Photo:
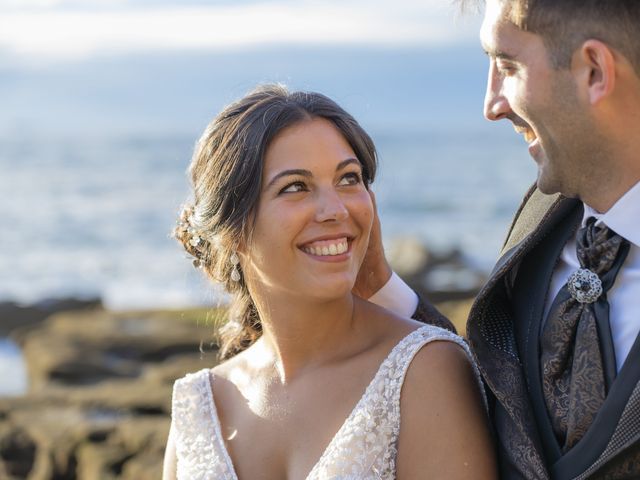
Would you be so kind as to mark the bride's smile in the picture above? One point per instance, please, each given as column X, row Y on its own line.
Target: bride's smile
column 335, row 248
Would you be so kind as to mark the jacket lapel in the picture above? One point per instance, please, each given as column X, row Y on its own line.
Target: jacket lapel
column 529, row 297
column 491, row 334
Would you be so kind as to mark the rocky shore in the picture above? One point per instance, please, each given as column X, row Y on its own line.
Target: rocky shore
column 99, row 392
column 100, row 382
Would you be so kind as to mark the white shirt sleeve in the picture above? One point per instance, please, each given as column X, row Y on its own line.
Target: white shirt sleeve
column 396, row 296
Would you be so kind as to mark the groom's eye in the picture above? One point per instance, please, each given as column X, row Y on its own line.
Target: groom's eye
column 506, row 68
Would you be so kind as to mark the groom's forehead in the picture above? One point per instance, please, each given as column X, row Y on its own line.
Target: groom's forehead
column 509, row 11
column 501, row 10
column 496, row 25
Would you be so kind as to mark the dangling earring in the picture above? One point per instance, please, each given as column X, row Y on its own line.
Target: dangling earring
column 235, row 261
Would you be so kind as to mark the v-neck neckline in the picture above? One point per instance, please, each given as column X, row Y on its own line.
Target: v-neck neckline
column 218, row 428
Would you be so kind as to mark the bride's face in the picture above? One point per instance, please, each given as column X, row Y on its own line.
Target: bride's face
column 314, row 215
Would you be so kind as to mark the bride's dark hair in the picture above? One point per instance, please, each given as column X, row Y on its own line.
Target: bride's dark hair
column 226, row 174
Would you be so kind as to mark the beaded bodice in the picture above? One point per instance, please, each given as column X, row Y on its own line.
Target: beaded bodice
column 363, row 448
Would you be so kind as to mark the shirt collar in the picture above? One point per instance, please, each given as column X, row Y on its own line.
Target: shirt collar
column 623, row 217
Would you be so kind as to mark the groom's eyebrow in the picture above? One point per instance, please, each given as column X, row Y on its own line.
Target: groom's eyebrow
column 499, row 54
column 494, row 53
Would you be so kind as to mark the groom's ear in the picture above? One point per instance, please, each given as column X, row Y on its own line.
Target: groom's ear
column 594, row 68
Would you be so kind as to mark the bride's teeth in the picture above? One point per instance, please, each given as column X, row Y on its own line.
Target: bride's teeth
column 328, row 250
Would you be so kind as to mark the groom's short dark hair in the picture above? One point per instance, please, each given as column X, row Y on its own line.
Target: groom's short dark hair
column 566, row 24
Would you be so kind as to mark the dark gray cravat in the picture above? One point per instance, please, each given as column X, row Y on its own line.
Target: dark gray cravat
column 577, row 356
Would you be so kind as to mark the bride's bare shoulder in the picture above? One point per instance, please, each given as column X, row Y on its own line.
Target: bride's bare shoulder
column 443, row 412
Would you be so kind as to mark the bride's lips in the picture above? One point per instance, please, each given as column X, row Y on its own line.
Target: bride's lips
column 332, row 248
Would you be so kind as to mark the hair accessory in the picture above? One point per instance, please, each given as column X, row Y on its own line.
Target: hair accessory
column 235, row 261
column 192, row 236
column 195, row 239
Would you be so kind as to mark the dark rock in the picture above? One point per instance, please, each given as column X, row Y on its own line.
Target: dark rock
column 445, row 282
column 100, row 396
column 439, row 276
column 53, row 439
column 17, row 453
column 76, row 348
column 444, row 277
column 16, row 317
column 408, row 256
column 101, row 462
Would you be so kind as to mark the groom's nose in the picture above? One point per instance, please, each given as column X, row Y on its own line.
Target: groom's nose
column 496, row 105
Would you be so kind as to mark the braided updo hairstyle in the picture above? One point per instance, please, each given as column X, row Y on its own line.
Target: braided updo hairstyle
column 226, row 174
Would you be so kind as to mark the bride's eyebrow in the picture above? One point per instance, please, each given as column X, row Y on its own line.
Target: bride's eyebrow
column 286, row 173
column 346, row 162
column 306, row 173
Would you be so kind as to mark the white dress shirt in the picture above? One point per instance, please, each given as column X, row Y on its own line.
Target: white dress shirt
column 396, row 296
column 624, row 297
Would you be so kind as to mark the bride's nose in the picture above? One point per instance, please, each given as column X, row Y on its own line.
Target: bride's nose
column 330, row 207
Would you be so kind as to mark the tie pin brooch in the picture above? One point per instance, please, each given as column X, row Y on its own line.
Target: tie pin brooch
column 584, row 286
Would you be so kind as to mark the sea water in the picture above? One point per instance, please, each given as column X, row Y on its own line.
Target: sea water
column 13, row 375
column 94, row 218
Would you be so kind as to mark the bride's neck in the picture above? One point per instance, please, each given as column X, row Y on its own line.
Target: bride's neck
column 302, row 333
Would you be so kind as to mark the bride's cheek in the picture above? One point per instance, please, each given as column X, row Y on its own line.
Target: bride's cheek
column 362, row 203
column 365, row 211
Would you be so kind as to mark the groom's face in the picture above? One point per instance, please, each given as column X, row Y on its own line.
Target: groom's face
column 539, row 100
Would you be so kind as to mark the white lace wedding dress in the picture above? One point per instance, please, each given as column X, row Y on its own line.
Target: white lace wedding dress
column 363, row 448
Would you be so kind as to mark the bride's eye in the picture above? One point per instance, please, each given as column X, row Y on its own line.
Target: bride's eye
column 351, row 178
column 294, row 187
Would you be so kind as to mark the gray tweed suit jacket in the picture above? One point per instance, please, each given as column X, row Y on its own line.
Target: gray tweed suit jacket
column 611, row 448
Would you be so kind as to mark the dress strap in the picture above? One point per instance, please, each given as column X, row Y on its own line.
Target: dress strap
column 200, row 450
column 402, row 355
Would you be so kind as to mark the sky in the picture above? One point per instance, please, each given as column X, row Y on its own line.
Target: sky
column 34, row 32
column 72, row 67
